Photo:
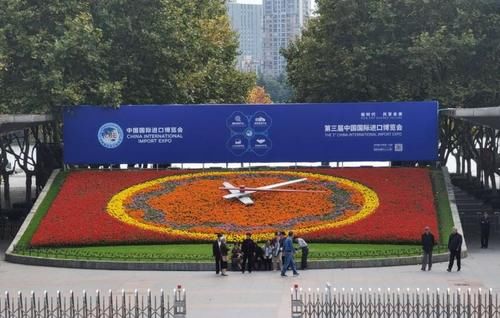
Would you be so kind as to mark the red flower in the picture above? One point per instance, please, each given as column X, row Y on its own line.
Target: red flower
column 78, row 215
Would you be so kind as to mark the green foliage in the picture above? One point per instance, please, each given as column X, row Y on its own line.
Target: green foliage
column 61, row 53
column 278, row 88
column 399, row 50
column 51, row 54
column 203, row 252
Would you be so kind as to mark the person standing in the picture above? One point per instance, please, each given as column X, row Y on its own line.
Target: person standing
column 224, row 250
column 248, row 249
column 288, row 251
column 455, row 248
column 305, row 251
column 216, row 253
column 428, row 243
column 236, row 257
column 276, row 253
column 282, row 238
column 268, row 254
column 485, row 230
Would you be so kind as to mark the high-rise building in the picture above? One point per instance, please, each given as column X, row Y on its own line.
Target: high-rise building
column 283, row 22
column 246, row 20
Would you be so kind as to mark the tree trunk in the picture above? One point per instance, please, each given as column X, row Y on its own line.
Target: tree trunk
column 6, row 190
column 29, row 182
column 493, row 182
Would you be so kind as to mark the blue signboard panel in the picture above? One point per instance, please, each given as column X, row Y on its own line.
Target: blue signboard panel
column 251, row 133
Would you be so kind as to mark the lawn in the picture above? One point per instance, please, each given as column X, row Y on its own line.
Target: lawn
column 202, row 252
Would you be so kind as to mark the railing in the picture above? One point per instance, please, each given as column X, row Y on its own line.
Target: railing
column 122, row 305
column 393, row 303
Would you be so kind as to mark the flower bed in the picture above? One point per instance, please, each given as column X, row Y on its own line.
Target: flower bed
column 356, row 205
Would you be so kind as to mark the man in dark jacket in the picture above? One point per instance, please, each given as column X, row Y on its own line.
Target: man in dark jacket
column 455, row 248
column 485, row 230
column 427, row 246
column 248, row 250
column 217, row 253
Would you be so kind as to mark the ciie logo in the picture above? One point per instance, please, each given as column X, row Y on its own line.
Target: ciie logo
column 110, row 135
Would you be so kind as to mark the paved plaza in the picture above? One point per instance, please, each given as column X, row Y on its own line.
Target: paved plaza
column 260, row 294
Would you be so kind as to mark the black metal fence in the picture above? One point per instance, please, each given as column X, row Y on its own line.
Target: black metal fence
column 111, row 305
column 331, row 302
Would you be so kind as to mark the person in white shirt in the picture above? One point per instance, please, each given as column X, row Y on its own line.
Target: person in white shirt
column 305, row 251
column 268, row 254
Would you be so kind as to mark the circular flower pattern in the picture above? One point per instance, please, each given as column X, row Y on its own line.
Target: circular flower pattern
column 191, row 206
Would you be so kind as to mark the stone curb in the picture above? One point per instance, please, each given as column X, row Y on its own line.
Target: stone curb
column 33, row 210
column 137, row 266
column 454, row 209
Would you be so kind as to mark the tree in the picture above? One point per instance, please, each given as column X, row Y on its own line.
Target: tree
column 258, row 95
column 278, row 88
column 61, row 53
column 365, row 50
column 52, row 56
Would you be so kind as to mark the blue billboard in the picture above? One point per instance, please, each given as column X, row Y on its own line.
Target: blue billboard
column 399, row 131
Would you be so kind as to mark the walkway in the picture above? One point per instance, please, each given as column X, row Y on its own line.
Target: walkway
column 260, row 294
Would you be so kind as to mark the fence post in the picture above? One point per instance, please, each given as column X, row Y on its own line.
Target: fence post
column 479, row 303
column 469, row 305
column 335, row 298
column 124, row 305
column 490, row 303
column 398, row 303
column 459, row 309
column 98, row 304
column 388, row 306
column 179, row 302
column 20, row 305
column 150, row 313
column 136, row 309
column 408, row 303
column 438, row 303
column 428, row 304
column 328, row 290
column 7, row 305
column 110, row 304
column 162, row 303
column 33, row 305
column 45, row 304
column 361, row 303
column 59, row 305
column 84, row 305
column 418, row 311
column 448, row 313
column 71, row 304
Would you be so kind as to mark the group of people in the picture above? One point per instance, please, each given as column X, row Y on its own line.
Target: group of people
column 454, row 244
column 276, row 254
